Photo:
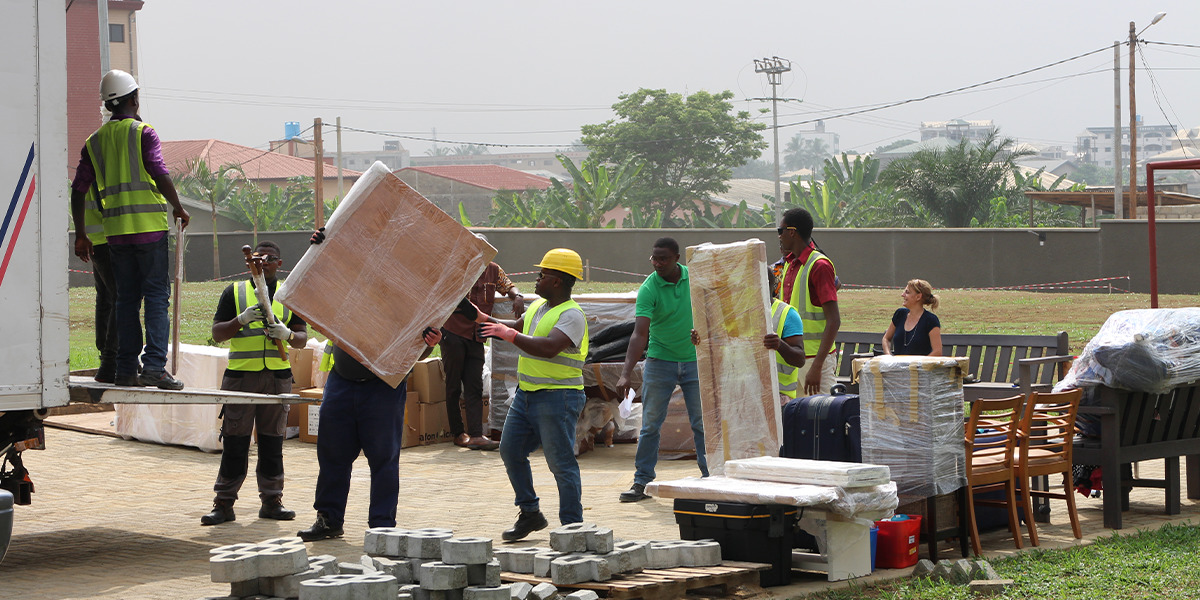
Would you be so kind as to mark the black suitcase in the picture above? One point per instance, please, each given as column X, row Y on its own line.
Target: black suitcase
column 747, row 532
column 822, row 427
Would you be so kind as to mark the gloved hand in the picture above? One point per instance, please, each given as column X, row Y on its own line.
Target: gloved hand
column 279, row 331
column 431, row 336
column 254, row 313
column 318, row 236
column 499, row 330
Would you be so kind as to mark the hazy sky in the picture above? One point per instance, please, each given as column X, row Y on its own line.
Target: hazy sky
column 532, row 72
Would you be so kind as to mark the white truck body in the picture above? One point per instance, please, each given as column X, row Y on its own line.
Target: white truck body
column 34, row 207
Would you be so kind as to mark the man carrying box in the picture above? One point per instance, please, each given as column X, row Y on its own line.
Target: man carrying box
column 254, row 366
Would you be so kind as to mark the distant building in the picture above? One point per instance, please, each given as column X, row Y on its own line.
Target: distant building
column 521, row 161
column 833, row 141
column 957, row 129
column 473, row 185
column 263, row 167
column 393, row 155
column 1095, row 144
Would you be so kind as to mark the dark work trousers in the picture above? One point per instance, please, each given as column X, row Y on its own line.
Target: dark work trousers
column 140, row 272
column 238, row 422
column 463, row 360
column 355, row 417
column 106, row 309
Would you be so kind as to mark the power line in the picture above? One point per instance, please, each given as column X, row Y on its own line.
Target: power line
column 1170, row 44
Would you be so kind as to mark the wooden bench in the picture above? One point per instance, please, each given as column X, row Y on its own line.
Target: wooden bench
column 993, row 359
column 1137, row 426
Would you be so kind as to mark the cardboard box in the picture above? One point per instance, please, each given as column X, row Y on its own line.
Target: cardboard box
column 429, row 380
column 309, row 419
column 435, row 424
column 302, row 367
column 412, row 421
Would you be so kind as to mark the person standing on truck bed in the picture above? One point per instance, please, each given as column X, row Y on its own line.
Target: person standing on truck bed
column 255, row 367
column 123, row 159
column 106, row 292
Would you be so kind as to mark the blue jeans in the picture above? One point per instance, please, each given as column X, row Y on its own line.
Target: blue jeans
column 659, row 378
column 546, row 418
column 366, row 417
column 140, row 273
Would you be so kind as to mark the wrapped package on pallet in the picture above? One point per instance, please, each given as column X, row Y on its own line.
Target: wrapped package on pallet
column 391, row 265
column 912, row 421
column 738, row 383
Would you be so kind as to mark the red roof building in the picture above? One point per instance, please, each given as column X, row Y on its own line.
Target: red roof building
column 263, row 167
column 473, row 186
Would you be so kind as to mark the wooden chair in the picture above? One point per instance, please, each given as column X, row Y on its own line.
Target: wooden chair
column 991, row 463
column 1045, row 440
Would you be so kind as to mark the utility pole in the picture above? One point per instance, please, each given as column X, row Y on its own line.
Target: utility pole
column 341, row 193
column 774, row 67
column 1132, row 127
column 319, row 177
column 1118, row 195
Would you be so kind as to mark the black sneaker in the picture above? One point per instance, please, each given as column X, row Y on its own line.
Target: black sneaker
column 272, row 508
column 322, row 529
column 127, row 381
column 222, row 511
column 635, row 493
column 161, row 380
column 106, row 375
column 527, row 523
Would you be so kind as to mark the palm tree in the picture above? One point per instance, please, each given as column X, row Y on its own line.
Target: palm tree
column 217, row 188
column 956, row 184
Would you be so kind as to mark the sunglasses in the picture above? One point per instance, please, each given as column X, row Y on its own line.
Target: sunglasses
column 271, row 259
column 780, row 230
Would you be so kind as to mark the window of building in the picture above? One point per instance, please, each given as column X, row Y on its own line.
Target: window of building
column 116, row 33
column 1108, row 163
column 1108, row 149
column 1108, row 136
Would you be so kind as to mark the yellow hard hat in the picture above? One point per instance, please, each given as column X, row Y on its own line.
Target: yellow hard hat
column 565, row 260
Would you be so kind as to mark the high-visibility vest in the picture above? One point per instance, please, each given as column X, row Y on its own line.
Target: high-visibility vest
column 561, row 372
column 93, row 221
column 326, row 363
column 788, row 375
column 129, row 199
column 251, row 349
column 812, row 316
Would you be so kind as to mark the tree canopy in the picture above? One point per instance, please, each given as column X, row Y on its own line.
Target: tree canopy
column 689, row 146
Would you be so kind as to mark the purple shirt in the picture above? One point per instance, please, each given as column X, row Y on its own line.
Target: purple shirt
column 85, row 176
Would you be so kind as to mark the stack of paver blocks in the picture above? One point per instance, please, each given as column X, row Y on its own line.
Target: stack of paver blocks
column 585, row 552
column 270, row 569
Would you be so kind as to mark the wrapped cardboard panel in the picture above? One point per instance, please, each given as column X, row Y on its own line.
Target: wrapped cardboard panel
column 912, row 421
column 738, row 383
column 815, row 472
column 392, row 264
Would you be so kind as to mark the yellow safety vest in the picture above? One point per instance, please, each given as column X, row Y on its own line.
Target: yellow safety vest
column 251, row 349
column 788, row 375
column 93, row 221
column 812, row 316
column 326, row 363
column 129, row 199
column 562, row 372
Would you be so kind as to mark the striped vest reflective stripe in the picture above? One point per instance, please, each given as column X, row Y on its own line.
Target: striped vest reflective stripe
column 251, row 349
column 788, row 375
column 812, row 316
column 129, row 200
column 561, row 372
column 326, row 363
column 93, row 221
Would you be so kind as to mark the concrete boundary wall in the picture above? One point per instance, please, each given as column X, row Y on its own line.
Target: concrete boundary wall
column 948, row 258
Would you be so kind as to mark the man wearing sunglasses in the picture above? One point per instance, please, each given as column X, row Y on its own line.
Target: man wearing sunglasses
column 254, row 366
column 809, row 283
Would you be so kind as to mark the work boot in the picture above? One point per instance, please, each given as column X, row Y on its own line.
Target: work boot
column 635, row 493
column 527, row 523
column 106, row 374
column 272, row 508
column 322, row 529
column 162, row 380
column 222, row 511
column 127, row 380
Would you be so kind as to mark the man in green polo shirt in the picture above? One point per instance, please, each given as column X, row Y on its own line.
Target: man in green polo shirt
column 664, row 321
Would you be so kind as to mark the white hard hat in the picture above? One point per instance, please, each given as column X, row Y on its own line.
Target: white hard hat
column 116, row 84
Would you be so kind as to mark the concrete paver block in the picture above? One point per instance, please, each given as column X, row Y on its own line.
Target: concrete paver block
column 542, row 560
column 288, row 586
column 385, row 541
column 543, row 591
column 572, row 537
column 230, row 548
column 600, row 540
column 982, row 569
column 485, row 575
column 401, row 569
column 583, row 595
column 492, row 592
column 520, row 590
column 441, row 576
column 989, row 587
column 283, row 541
column 518, row 560
column 280, row 560
column 632, row 556
column 327, row 564
column 242, row 589
column 375, row 586
column 567, row 570
column 233, row 566
column 924, row 568
column 941, row 570
column 960, row 571
column 426, row 543
column 350, row 568
column 467, row 551
column 701, row 553
column 424, row 594
column 415, row 565
column 664, row 554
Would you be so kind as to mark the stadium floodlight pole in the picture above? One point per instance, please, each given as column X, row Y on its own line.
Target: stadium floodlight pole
column 774, row 67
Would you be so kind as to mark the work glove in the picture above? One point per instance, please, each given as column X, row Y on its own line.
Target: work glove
column 431, row 336
column 254, row 313
column 318, row 236
column 468, row 309
column 279, row 331
column 499, row 330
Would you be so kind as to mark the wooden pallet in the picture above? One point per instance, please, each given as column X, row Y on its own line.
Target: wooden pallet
column 661, row 584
